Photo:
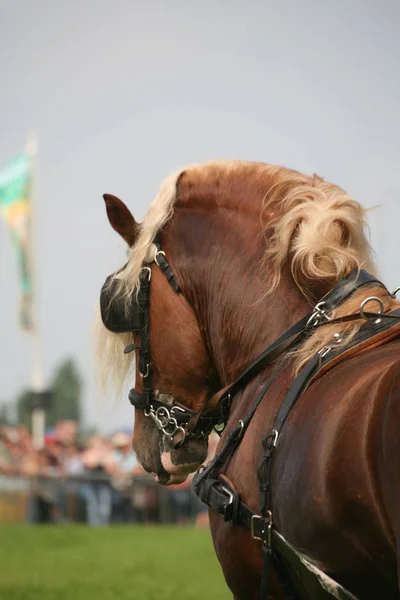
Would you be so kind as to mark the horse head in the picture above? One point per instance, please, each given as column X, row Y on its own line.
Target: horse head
column 182, row 374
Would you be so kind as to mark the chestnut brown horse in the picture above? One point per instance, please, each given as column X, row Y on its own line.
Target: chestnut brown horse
column 252, row 247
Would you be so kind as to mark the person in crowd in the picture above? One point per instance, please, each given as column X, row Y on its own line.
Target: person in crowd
column 8, row 461
column 98, row 464
column 123, row 467
column 66, row 431
column 74, row 470
column 45, row 505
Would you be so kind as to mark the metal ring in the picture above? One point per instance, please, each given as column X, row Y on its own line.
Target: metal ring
column 275, row 438
column 180, row 443
column 155, row 258
column 163, row 416
column 395, row 291
column 173, row 423
column 177, row 409
column 371, row 299
column 148, row 269
column 147, row 373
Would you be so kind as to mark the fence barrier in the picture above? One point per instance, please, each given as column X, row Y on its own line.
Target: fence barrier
column 95, row 500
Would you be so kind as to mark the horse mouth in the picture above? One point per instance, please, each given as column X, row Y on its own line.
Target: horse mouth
column 166, row 479
column 180, row 462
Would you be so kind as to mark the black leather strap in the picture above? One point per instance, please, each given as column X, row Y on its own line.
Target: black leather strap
column 234, row 438
column 347, row 286
column 140, row 400
column 341, row 292
column 163, row 264
column 146, row 398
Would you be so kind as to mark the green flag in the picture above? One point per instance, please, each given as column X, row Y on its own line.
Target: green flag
column 15, row 207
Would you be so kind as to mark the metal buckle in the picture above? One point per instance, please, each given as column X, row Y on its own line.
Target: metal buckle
column 318, row 314
column 274, row 439
column 229, row 494
column 253, row 534
column 156, row 257
column 231, row 497
column 266, row 530
column 146, row 270
column 147, row 372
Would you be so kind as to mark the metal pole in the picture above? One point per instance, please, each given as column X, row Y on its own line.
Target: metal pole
column 37, row 376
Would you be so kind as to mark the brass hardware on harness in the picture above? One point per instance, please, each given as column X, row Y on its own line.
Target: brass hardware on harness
column 266, row 524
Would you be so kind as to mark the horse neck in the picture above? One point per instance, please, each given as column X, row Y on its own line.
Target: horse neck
column 224, row 279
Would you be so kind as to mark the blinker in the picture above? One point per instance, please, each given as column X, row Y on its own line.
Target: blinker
column 115, row 316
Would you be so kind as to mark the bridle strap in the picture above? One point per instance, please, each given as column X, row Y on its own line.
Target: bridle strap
column 164, row 266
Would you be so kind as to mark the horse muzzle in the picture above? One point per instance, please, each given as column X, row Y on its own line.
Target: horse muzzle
column 180, row 462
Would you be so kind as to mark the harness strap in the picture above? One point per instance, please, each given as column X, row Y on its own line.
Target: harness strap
column 234, row 437
column 219, row 493
column 319, row 316
column 368, row 332
column 164, row 266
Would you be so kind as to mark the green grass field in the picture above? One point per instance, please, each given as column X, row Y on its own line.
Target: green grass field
column 113, row 563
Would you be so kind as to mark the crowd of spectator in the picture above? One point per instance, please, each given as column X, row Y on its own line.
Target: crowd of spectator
column 95, row 480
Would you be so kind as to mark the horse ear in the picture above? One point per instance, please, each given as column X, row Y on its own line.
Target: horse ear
column 121, row 219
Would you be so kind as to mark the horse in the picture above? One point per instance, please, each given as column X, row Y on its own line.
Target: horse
column 249, row 248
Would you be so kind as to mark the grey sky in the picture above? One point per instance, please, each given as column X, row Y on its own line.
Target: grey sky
column 121, row 92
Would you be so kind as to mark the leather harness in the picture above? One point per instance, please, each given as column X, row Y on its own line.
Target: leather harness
column 179, row 423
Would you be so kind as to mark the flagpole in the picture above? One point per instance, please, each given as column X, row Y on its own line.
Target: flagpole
column 37, row 374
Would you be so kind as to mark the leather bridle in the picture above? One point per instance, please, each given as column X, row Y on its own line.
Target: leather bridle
column 174, row 420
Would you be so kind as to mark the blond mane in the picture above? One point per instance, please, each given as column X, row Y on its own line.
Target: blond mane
column 316, row 227
column 322, row 232
column 112, row 365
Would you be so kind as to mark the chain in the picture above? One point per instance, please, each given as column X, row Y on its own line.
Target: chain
column 165, row 421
